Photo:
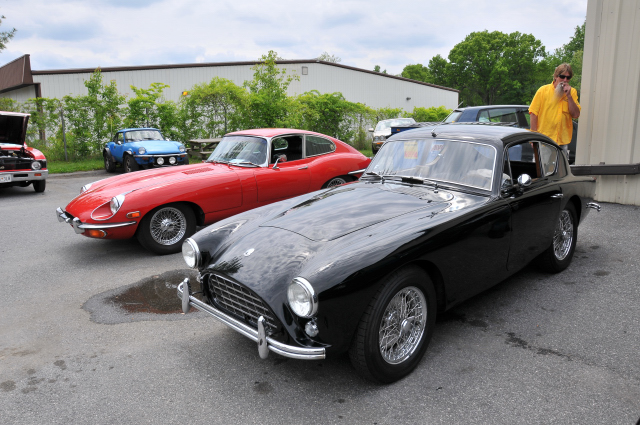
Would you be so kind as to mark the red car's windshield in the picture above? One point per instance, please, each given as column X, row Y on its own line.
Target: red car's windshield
column 240, row 150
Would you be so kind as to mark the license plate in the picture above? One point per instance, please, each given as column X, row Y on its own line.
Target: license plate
column 5, row 179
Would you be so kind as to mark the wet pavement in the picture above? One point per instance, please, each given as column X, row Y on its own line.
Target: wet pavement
column 90, row 332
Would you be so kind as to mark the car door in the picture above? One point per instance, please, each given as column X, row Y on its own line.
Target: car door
column 536, row 206
column 118, row 146
column 288, row 177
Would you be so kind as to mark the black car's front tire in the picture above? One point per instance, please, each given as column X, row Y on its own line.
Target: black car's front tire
column 558, row 256
column 164, row 228
column 396, row 327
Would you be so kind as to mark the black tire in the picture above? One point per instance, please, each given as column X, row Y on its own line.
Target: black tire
column 109, row 165
column 411, row 286
column 130, row 164
column 186, row 160
column 336, row 181
column 164, row 228
column 39, row 185
column 558, row 256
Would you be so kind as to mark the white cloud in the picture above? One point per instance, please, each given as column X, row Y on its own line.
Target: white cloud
column 85, row 34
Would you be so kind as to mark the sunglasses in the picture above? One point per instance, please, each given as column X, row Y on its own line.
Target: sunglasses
column 564, row 77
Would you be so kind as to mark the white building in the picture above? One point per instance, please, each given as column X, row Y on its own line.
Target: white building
column 19, row 82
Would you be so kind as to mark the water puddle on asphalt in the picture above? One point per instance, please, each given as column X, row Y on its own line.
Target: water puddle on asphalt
column 149, row 297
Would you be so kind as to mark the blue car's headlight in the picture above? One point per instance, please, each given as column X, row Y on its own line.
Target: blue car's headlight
column 182, row 148
column 142, row 151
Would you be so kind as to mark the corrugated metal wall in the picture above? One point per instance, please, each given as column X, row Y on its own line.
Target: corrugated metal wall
column 370, row 89
column 609, row 130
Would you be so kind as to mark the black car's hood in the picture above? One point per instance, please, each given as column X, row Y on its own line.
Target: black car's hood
column 347, row 209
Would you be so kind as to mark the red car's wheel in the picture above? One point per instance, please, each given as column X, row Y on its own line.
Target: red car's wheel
column 164, row 228
column 39, row 185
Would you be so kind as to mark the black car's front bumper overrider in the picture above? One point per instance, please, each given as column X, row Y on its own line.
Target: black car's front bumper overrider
column 265, row 343
column 79, row 227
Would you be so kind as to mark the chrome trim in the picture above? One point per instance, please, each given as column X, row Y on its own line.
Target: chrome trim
column 294, row 352
column 303, row 168
column 356, row 172
column 263, row 347
column 314, row 297
column 557, row 196
column 30, row 175
column 79, row 227
column 196, row 250
column 166, row 155
column 594, row 205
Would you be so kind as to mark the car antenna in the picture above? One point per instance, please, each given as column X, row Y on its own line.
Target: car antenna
column 433, row 132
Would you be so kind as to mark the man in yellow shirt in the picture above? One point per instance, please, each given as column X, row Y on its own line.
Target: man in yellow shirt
column 553, row 107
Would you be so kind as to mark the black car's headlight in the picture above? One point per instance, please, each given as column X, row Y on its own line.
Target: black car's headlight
column 35, row 165
column 191, row 253
column 302, row 298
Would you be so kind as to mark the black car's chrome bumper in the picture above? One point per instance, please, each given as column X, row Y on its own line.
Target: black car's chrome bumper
column 79, row 227
column 594, row 205
column 265, row 343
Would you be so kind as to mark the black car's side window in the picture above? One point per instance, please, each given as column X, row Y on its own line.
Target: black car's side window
column 523, row 159
column 549, row 159
column 315, row 145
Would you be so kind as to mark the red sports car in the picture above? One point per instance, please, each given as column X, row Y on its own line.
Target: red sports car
column 20, row 165
column 248, row 169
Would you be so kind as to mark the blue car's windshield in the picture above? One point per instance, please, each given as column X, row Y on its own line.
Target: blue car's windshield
column 138, row 135
column 240, row 150
column 464, row 163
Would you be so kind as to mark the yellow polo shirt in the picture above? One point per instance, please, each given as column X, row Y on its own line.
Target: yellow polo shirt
column 554, row 119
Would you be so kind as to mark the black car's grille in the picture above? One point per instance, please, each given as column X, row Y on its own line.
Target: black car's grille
column 240, row 302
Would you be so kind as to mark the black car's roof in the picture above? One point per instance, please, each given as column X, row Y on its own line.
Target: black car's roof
column 473, row 108
column 497, row 135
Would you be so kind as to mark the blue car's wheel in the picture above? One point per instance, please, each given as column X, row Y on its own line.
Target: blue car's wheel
column 109, row 165
column 130, row 164
column 164, row 228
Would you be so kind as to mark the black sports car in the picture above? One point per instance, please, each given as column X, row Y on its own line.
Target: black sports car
column 440, row 214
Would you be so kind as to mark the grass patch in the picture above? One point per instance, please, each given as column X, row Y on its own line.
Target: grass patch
column 56, row 167
column 366, row 152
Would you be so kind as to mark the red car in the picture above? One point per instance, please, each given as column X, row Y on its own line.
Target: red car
column 20, row 165
column 247, row 169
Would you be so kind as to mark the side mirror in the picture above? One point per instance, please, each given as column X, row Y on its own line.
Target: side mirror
column 370, row 130
column 281, row 158
column 524, row 180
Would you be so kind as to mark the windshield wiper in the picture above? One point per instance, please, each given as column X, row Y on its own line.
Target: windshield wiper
column 218, row 161
column 414, row 179
column 373, row 174
column 243, row 162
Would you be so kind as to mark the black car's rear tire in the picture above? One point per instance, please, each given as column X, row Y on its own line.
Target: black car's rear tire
column 163, row 229
column 396, row 327
column 130, row 164
column 109, row 165
column 39, row 185
column 558, row 256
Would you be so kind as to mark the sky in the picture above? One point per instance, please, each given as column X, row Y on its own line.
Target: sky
column 65, row 34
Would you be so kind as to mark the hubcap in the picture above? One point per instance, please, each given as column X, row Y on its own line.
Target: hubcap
column 168, row 226
column 402, row 325
column 336, row 182
column 563, row 236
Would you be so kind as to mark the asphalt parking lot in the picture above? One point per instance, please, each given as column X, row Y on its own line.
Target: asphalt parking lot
column 90, row 334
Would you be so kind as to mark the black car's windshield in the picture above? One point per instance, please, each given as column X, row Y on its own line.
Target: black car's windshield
column 465, row 163
column 240, row 150
column 138, row 135
column 453, row 117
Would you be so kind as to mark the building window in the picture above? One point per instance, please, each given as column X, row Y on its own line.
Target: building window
column 305, row 70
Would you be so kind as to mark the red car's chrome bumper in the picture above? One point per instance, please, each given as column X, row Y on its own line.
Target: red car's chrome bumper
column 80, row 227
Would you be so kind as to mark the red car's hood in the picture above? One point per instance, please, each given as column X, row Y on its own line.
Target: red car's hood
column 102, row 191
column 13, row 127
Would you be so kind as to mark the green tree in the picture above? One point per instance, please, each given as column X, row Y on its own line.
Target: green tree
column 326, row 113
column 267, row 103
column 493, row 67
column 417, row 72
column 326, row 57
column 214, row 109
column 143, row 109
column 5, row 36
column 432, row 114
column 439, row 71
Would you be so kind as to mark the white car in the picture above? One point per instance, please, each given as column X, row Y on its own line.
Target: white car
column 383, row 130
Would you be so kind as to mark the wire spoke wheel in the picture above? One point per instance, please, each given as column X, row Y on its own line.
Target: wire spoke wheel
column 168, row 226
column 563, row 236
column 403, row 324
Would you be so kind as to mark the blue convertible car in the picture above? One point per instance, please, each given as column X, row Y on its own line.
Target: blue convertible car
column 142, row 147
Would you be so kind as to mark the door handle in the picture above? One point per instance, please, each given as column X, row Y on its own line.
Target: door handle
column 558, row 196
column 303, row 168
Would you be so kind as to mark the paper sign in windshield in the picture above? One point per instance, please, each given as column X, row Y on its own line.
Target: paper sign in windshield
column 411, row 150
column 436, row 149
